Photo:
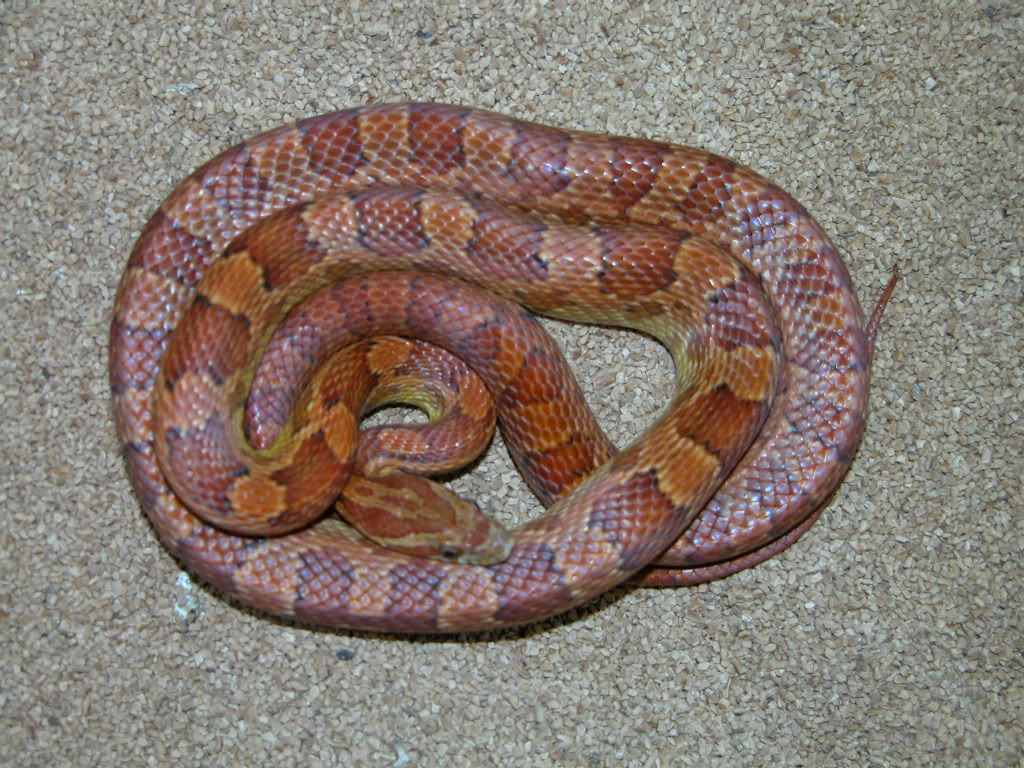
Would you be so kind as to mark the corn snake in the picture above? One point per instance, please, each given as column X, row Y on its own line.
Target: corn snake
column 490, row 212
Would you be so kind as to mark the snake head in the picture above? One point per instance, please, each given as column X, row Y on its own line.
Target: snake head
column 410, row 514
column 484, row 543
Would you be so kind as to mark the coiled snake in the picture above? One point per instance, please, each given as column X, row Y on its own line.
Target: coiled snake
column 353, row 234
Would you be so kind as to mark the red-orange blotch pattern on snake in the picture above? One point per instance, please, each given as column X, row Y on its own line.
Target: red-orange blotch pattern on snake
column 432, row 216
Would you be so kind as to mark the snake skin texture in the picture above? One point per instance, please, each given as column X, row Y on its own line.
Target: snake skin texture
column 450, row 225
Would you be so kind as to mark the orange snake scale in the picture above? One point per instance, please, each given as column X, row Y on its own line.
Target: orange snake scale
column 444, row 227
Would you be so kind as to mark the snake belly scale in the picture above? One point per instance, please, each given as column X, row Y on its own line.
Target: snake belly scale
column 446, row 224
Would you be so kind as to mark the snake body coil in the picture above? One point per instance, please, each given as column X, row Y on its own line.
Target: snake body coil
column 441, row 224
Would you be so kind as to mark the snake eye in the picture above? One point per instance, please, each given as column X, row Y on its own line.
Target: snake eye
column 450, row 553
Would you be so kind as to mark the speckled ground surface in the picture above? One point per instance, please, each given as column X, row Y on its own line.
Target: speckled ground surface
column 890, row 635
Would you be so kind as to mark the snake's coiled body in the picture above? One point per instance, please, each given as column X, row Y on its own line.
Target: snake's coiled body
column 422, row 212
